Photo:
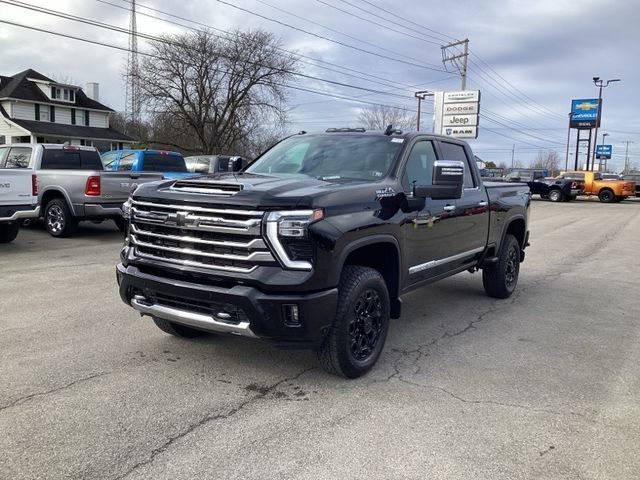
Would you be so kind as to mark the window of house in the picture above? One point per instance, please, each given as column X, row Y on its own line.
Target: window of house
column 66, row 94
column 454, row 151
column 72, row 96
column 419, row 167
column 53, row 92
column 73, row 116
column 86, row 118
column 58, row 93
column 52, row 113
column 37, row 107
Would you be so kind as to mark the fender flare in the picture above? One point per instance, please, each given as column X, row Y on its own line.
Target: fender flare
column 60, row 190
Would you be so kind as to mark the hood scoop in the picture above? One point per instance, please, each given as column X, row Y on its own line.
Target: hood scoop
column 207, row 187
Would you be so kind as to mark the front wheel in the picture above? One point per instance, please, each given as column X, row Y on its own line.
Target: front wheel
column 500, row 280
column 9, row 231
column 356, row 338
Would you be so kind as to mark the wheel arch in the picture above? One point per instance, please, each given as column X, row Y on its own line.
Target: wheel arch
column 382, row 253
column 51, row 194
column 517, row 227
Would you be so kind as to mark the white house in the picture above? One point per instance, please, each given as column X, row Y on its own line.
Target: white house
column 37, row 109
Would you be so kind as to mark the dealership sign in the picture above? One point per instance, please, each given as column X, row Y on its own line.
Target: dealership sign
column 456, row 114
column 585, row 113
column 604, row 151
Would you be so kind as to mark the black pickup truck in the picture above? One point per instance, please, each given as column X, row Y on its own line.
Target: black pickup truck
column 554, row 189
column 313, row 245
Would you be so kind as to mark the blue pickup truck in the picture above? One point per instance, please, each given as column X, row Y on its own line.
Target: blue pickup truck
column 170, row 164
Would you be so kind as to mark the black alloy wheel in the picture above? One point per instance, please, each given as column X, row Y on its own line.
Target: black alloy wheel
column 365, row 325
column 500, row 280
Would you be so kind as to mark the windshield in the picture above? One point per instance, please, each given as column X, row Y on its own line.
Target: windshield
column 330, row 157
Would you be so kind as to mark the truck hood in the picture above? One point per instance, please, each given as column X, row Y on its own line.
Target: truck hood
column 264, row 191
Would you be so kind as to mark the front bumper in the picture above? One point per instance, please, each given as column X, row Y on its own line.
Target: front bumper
column 239, row 309
column 12, row 214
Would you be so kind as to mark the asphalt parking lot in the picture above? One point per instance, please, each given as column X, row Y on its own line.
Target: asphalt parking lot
column 543, row 385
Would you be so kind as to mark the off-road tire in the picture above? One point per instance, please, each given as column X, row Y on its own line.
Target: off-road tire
column 555, row 195
column 359, row 288
column 500, row 280
column 9, row 231
column 58, row 220
column 606, row 196
column 176, row 329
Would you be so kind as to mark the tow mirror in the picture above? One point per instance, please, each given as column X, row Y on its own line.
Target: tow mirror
column 236, row 164
column 448, row 179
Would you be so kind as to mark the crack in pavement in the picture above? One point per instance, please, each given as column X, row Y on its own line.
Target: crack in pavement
column 262, row 393
column 26, row 398
column 492, row 402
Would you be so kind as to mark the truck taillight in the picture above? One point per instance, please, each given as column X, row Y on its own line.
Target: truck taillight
column 34, row 185
column 92, row 187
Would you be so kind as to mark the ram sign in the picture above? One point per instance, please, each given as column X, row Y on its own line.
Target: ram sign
column 585, row 113
column 456, row 114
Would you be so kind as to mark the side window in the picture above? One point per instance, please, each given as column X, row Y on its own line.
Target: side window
column 18, row 157
column 453, row 151
column 419, row 167
column 3, row 155
column 126, row 162
column 108, row 160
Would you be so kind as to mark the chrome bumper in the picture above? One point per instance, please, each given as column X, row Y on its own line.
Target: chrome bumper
column 22, row 215
column 197, row 320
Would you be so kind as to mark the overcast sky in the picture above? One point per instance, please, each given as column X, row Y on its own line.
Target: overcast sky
column 529, row 58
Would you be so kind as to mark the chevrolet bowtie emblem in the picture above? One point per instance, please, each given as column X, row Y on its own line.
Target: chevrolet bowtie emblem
column 178, row 218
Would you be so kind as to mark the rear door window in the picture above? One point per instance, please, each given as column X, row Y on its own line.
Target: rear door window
column 108, row 160
column 3, row 156
column 126, row 162
column 17, row 157
column 454, row 151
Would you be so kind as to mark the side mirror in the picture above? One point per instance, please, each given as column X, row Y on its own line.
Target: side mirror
column 236, row 164
column 448, row 179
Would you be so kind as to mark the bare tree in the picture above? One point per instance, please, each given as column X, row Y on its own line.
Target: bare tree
column 547, row 160
column 503, row 166
column 377, row 117
column 210, row 94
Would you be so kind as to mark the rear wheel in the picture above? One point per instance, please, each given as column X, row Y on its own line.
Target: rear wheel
column 555, row 195
column 356, row 338
column 176, row 329
column 500, row 280
column 606, row 196
column 9, row 231
column 58, row 219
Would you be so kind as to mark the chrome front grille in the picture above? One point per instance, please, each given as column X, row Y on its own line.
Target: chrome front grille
column 194, row 236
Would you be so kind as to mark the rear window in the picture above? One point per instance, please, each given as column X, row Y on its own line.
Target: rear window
column 59, row 159
column 154, row 162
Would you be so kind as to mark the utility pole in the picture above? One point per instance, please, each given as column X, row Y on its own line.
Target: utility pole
column 600, row 84
column 457, row 59
column 132, row 89
column 566, row 158
column 626, row 158
column 513, row 154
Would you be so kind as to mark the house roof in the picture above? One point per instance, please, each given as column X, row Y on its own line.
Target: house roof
column 74, row 131
column 19, row 87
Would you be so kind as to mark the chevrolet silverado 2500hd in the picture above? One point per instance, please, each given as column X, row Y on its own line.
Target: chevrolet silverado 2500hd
column 313, row 245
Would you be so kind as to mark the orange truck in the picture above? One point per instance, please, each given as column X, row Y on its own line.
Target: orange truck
column 607, row 190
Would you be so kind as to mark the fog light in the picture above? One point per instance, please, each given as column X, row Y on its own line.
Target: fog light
column 291, row 315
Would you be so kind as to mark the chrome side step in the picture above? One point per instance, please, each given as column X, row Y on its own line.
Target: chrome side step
column 184, row 317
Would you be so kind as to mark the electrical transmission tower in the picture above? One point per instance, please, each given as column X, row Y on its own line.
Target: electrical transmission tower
column 451, row 54
column 132, row 89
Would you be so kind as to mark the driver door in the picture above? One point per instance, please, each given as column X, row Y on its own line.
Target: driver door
column 428, row 232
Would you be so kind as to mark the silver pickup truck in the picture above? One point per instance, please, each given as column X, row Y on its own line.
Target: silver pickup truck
column 73, row 186
column 18, row 193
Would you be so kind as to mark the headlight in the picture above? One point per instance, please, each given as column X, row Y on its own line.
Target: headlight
column 126, row 209
column 292, row 224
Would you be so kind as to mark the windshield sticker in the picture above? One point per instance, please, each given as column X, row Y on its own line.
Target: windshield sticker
column 397, row 140
column 385, row 192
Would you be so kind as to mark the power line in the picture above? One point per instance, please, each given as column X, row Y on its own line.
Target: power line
column 332, row 40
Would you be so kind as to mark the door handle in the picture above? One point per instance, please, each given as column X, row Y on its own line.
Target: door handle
column 449, row 208
column 482, row 204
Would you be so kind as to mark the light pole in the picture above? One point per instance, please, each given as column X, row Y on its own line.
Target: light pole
column 598, row 82
column 566, row 158
column 605, row 158
column 421, row 95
